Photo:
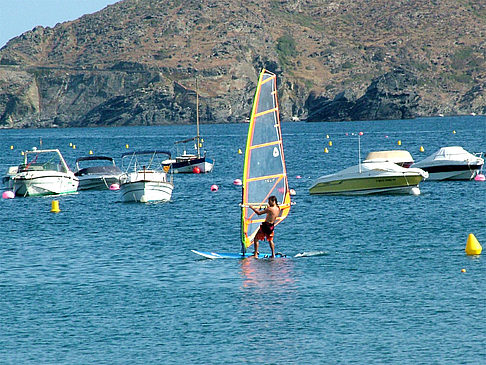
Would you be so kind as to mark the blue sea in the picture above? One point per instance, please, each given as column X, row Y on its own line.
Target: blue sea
column 105, row 282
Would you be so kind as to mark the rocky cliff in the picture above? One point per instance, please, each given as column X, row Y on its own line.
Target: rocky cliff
column 136, row 62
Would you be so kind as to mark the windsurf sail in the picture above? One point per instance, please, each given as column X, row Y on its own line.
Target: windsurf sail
column 264, row 169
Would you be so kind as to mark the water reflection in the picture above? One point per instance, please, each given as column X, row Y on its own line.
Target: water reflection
column 267, row 274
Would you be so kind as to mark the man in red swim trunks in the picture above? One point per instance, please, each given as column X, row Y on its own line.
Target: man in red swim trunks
column 266, row 228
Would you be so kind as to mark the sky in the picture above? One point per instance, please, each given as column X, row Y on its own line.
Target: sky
column 19, row 16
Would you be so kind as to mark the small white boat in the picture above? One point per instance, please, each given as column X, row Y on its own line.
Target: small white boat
column 44, row 172
column 370, row 178
column 146, row 181
column 451, row 163
column 400, row 157
column 101, row 175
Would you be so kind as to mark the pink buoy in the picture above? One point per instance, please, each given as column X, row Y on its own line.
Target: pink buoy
column 214, row 187
column 114, row 187
column 196, row 170
column 8, row 194
column 237, row 182
column 479, row 177
column 298, row 177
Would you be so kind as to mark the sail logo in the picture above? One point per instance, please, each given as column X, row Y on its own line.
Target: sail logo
column 275, row 152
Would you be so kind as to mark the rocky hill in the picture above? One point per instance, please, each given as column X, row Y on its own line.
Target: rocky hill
column 136, row 62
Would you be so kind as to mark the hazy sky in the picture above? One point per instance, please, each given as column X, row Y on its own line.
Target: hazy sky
column 19, row 16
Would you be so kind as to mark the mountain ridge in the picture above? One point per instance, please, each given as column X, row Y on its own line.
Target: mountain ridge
column 135, row 62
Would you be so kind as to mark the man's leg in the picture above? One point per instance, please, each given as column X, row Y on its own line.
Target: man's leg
column 272, row 247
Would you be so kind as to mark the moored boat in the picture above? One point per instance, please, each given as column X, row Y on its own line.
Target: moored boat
column 370, row 178
column 192, row 162
column 451, row 163
column 43, row 172
column 146, row 181
column 101, row 175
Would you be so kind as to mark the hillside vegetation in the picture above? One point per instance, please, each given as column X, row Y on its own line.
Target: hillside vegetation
column 135, row 62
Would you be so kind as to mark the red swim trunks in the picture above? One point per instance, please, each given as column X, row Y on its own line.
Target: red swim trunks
column 265, row 232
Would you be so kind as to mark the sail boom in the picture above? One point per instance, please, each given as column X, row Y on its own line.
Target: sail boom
column 260, row 178
column 266, row 112
column 265, row 144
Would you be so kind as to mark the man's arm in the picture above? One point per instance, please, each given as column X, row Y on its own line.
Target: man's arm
column 259, row 212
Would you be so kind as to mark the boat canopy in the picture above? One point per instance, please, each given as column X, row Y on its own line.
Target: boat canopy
column 371, row 168
column 150, row 152
column 453, row 153
column 94, row 158
column 396, row 156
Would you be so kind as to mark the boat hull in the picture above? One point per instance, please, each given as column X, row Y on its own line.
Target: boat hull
column 40, row 183
column 97, row 182
column 204, row 164
column 452, row 172
column 369, row 185
column 146, row 191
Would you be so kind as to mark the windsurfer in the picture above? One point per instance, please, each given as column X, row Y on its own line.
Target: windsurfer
column 266, row 228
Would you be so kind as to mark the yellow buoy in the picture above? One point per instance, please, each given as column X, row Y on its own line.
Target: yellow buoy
column 330, row 143
column 90, row 152
column 74, row 146
column 11, row 147
column 454, row 132
column 126, row 146
column 22, row 153
column 55, row 206
column 422, row 149
column 399, row 142
column 70, row 144
column 239, row 151
column 463, row 270
column 472, row 246
column 326, row 150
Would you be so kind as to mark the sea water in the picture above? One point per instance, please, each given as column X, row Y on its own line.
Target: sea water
column 378, row 279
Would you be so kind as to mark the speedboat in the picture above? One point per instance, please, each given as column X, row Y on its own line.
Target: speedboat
column 371, row 178
column 400, row 157
column 99, row 176
column 451, row 163
column 146, row 178
column 44, row 172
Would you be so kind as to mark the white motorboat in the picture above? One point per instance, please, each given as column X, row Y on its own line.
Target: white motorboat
column 451, row 163
column 44, row 172
column 371, row 178
column 146, row 179
column 102, row 173
column 400, row 157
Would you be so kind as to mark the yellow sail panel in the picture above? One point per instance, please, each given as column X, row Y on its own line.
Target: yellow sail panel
column 264, row 172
